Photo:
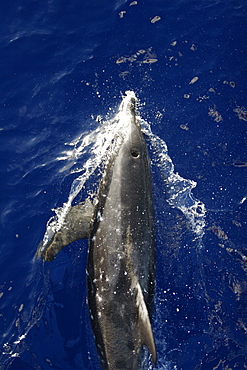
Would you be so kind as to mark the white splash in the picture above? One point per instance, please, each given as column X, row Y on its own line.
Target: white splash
column 178, row 189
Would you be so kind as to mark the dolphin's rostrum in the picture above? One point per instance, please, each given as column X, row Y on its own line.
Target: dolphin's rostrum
column 121, row 257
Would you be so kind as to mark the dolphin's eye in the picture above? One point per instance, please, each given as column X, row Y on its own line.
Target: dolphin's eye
column 135, row 153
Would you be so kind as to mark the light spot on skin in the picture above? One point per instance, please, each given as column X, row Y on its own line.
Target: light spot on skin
column 98, row 297
column 99, row 216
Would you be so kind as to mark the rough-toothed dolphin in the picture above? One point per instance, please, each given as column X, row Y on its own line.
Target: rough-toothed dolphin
column 121, row 257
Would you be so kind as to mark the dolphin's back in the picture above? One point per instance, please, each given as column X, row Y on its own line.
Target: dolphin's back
column 121, row 259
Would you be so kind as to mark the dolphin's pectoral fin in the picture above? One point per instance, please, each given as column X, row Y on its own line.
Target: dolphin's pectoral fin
column 76, row 226
column 144, row 326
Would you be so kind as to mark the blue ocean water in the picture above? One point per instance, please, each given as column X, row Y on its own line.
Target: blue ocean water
column 64, row 69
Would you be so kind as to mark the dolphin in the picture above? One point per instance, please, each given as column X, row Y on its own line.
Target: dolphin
column 121, row 253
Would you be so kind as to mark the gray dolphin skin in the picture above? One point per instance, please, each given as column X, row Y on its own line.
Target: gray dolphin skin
column 121, row 256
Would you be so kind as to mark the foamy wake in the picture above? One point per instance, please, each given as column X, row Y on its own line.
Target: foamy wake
column 102, row 143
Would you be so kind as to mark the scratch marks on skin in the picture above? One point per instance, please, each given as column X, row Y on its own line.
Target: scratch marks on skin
column 102, row 281
column 128, row 249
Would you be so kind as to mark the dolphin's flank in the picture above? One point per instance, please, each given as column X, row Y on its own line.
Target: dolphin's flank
column 121, row 257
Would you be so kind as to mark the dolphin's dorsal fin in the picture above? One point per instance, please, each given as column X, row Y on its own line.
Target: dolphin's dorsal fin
column 144, row 326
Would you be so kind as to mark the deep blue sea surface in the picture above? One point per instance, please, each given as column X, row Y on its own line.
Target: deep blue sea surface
column 64, row 68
